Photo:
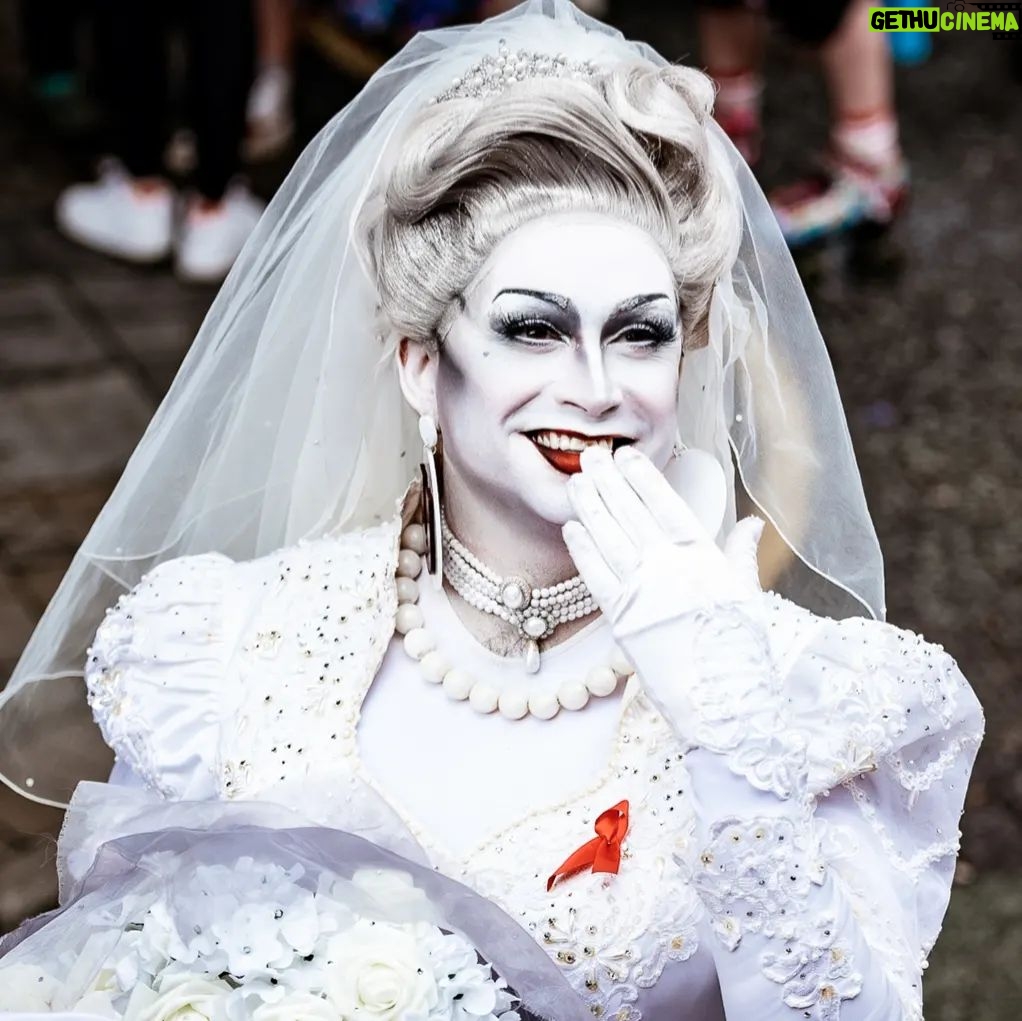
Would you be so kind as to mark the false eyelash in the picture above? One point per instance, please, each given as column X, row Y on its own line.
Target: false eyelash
column 510, row 323
column 659, row 332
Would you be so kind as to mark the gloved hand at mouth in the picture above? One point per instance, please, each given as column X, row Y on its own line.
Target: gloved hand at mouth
column 652, row 566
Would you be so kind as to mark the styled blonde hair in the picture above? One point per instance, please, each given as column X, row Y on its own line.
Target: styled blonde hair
column 632, row 143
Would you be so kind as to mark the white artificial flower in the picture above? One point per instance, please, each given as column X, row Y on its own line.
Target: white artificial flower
column 252, row 994
column 301, row 924
column 449, row 952
column 467, row 988
column 504, row 1011
column 249, row 939
column 251, row 919
column 193, row 998
column 98, row 1002
column 159, row 940
column 298, row 1007
column 394, row 893
column 25, row 987
column 472, row 993
column 103, row 987
column 378, row 971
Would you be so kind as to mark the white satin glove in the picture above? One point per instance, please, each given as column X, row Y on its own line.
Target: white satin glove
column 642, row 552
column 654, row 570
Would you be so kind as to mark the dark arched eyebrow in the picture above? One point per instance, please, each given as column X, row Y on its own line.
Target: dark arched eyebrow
column 566, row 318
column 564, row 304
column 631, row 304
column 567, row 305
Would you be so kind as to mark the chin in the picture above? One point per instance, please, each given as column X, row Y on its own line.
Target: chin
column 545, row 492
column 549, row 503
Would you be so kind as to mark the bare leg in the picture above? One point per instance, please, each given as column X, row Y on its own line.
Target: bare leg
column 858, row 67
column 732, row 40
column 866, row 179
column 269, row 116
column 275, row 28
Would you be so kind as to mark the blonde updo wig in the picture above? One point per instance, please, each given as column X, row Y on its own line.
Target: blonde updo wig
column 632, row 143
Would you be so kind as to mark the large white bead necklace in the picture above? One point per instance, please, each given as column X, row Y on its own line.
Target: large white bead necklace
column 536, row 612
column 459, row 684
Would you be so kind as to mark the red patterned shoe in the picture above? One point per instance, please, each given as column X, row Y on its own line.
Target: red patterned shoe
column 847, row 194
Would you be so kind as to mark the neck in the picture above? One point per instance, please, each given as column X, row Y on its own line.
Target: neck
column 512, row 541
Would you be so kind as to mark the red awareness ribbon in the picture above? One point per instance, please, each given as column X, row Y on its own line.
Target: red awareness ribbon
column 603, row 852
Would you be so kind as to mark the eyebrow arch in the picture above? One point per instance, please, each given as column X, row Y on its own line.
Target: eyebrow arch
column 631, row 304
column 564, row 304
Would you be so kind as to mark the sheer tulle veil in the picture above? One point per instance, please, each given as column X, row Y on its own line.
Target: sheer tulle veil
column 286, row 421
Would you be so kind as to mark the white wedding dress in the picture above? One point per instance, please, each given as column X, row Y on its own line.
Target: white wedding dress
column 277, row 680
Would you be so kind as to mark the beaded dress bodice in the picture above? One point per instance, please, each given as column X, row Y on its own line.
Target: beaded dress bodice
column 298, row 682
column 246, row 681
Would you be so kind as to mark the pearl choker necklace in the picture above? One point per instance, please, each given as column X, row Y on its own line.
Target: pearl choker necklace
column 536, row 612
column 459, row 684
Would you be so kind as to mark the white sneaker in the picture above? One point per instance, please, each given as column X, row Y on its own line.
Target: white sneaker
column 210, row 240
column 269, row 122
column 114, row 217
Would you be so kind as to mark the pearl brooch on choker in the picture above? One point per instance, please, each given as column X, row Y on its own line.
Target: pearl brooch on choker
column 536, row 612
column 458, row 684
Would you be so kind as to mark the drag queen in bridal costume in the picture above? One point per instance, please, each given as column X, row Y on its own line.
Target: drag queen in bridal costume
column 555, row 662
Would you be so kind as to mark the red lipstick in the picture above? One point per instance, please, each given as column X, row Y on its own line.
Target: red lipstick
column 569, row 462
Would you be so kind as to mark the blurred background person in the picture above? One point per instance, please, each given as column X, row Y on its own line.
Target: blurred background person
column 269, row 119
column 597, row 8
column 131, row 211
column 862, row 179
column 49, row 33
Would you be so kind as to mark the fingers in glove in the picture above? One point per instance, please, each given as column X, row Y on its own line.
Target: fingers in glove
column 741, row 549
column 601, row 581
column 613, row 542
column 620, row 498
column 668, row 509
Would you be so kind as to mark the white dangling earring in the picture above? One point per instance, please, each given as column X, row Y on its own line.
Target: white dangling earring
column 699, row 479
column 673, row 470
column 431, row 500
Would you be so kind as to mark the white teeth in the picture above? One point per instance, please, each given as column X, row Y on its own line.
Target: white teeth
column 560, row 441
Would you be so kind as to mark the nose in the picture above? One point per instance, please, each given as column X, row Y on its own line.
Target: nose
column 587, row 385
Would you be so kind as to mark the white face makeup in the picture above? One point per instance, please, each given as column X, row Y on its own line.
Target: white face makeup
column 570, row 335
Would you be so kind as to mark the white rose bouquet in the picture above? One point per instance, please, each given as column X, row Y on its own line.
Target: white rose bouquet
column 246, row 911
column 251, row 940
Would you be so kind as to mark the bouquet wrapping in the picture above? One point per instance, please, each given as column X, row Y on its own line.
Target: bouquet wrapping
column 229, row 915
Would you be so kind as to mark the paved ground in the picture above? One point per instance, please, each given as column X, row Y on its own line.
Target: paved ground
column 924, row 337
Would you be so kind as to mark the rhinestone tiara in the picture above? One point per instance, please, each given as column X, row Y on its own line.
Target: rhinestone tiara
column 493, row 74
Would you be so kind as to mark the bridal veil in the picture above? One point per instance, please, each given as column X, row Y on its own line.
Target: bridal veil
column 286, row 420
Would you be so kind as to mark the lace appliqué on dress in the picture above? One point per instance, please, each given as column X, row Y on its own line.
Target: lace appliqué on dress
column 756, row 877
column 612, row 935
column 739, row 704
column 833, row 714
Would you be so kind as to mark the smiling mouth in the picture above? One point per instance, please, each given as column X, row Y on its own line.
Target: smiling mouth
column 563, row 450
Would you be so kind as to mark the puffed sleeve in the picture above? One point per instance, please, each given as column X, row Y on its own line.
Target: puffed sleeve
column 155, row 674
column 829, row 766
